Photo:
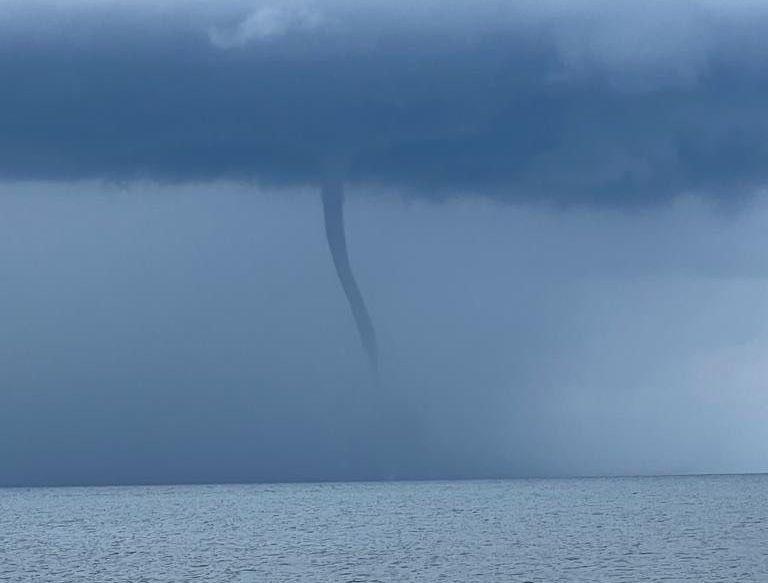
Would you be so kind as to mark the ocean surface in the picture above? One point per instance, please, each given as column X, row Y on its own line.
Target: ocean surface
column 703, row 528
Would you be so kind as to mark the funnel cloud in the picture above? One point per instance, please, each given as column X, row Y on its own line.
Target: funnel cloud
column 332, row 195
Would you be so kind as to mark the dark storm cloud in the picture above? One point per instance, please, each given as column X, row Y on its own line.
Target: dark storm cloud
column 579, row 102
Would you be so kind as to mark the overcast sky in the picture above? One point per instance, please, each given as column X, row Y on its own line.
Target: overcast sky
column 556, row 213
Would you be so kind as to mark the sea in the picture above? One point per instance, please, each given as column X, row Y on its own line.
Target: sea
column 691, row 528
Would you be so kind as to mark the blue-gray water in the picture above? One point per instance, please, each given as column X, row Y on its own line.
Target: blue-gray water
column 625, row 529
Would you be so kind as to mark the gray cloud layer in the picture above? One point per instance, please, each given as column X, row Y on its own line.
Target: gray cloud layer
column 569, row 102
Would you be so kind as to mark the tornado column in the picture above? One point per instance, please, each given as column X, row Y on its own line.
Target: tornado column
column 333, row 211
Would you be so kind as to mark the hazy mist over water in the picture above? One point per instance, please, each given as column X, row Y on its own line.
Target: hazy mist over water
column 197, row 334
column 701, row 528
